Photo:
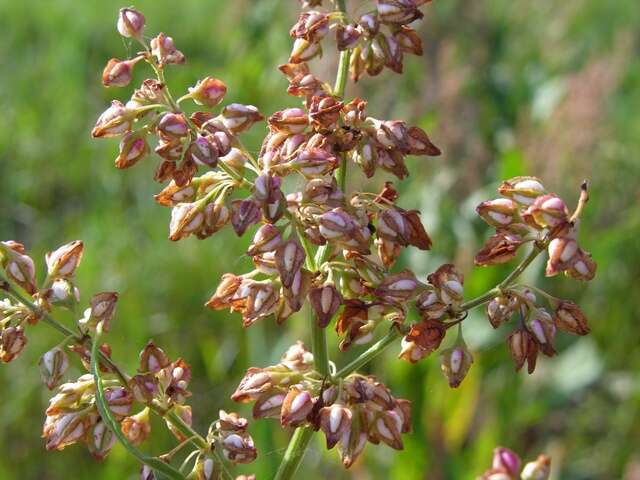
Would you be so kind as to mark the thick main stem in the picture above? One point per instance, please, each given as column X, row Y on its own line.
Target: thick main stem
column 301, row 437
column 294, row 454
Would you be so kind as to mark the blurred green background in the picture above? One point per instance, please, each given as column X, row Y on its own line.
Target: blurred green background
column 507, row 87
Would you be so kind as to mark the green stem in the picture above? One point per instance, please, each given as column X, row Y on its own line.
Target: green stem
column 301, row 437
column 372, row 352
column 174, row 419
column 184, row 428
column 343, row 74
column 482, row 299
column 319, row 348
column 513, row 276
column 378, row 347
column 105, row 412
column 294, row 454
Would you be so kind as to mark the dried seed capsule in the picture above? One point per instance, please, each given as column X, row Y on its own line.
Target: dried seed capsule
column 297, row 405
column 448, row 282
column 269, row 404
column 64, row 261
column 314, row 162
column 369, row 23
column 137, row 427
column 324, row 112
column 238, row 448
column 266, row 239
column 255, row 382
column 291, row 121
column 101, row 312
column 523, row 190
column 144, row 388
column 498, row 249
column 347, row 36
column 297, row 357
column 289, row 259
column 12, row 342
column 352, row 443
column 387, row 427
column 152, row 359
column 119, row 401
column 583, row 268
column 506, row 461
column 400, row 12
column 100, row 441
column 150, row 92
column 543, row 328
column 225, row 292
column 19, row 267
column 334, row 421
column 238, row 118
column 499, row 213
column 118, row 73
column 500, row 309
column 173, row 125
column 455, row 363
column 523, row 349
column 163, row 48
column 53, row 365
column 409, row 40
column 311, row 26
column 540, row 469
column 114, row 121
column 303, row 51
column 569, row 317
column 209, row 92
column 244, row 213
column 397, row 288
column 391, row 134
column 325, row 301
column 133, row 147
column 296, row 294
column 130, row 23
column 547, row 211
column 231, row 422
column 64, row 429
column 423, row 338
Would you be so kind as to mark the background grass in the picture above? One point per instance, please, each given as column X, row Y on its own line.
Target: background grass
column 506, row 86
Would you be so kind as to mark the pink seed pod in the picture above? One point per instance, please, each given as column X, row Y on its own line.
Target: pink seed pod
column 507, row 461
column 137, row 428
column 64, row 261
column 53, row 365
column 163, row 48
column 289, row 259
column 209, row 92
column 130, row 23
column 523, row 348
column 335, row 420
column 325, row 301
column 296, row 406
column 118, row 73
column 455, row 364
column 152, row 359
column 133, row 148
column 114, row 121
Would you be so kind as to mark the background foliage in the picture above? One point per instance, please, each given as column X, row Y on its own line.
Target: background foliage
column 506, row 86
